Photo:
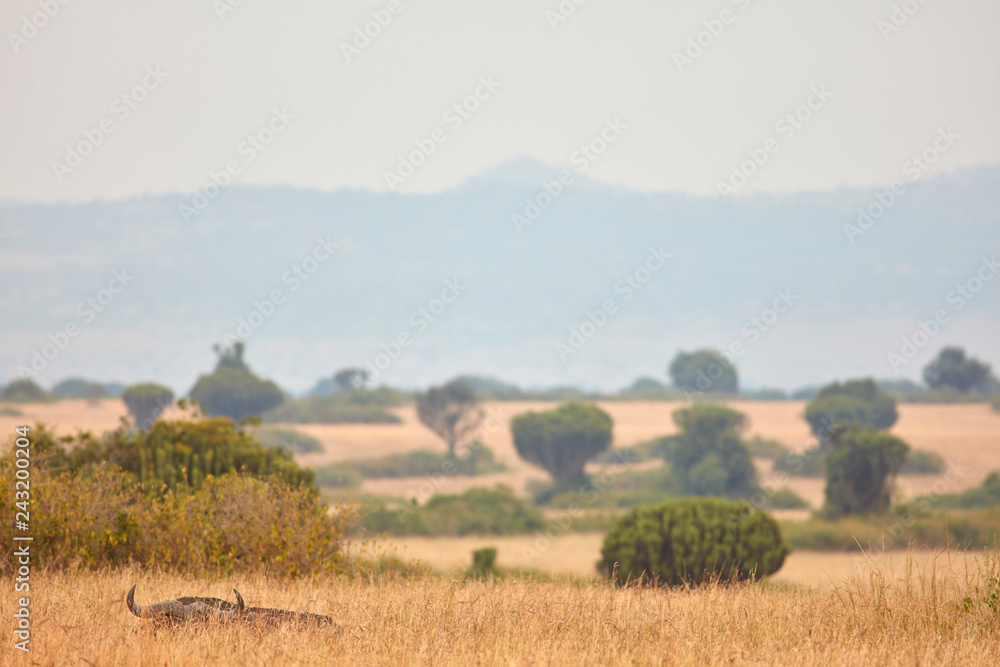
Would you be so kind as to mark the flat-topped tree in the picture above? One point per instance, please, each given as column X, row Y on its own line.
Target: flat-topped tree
column 146, row 401
column 951, row 368
column 232, row 390
column 451, row 411
column 562, row 440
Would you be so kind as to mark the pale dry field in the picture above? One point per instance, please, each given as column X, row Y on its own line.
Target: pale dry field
column 577, row 554
column 967, row 436
column 80, row 619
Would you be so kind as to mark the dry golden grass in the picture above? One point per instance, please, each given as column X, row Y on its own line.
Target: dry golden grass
column 912, row 619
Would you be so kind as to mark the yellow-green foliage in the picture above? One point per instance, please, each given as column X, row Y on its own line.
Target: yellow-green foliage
column 173, row 453
column 100, row 516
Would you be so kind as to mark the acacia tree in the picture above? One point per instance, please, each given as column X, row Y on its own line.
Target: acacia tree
column 146, row 401
column 858, row 402
column 562, row 440
column 860, row 470
column 951, row 368
column 703, row 371
column 232, row 390
column 351, row 379
column 451, row 411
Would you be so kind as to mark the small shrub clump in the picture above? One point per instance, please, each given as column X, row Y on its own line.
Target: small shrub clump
column 693, row 541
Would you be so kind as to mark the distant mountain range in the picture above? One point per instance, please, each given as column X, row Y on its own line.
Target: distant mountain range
column 514, row 274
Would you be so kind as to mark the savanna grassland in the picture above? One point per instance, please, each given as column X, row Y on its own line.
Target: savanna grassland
column 926, row 612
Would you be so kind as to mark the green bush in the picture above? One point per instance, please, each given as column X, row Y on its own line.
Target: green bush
column 8, row 411
column 919, row 462
column 477, row 461
column 623, row 489
column 908, row 524
column 478, row 511
column 995, row 403
column 292, row 442
column 856, row 402
column 483, row 564
column 807, row 464
column 330, row 410
column 786, row 499
column 24, row 391
column 767, row 449
column 692, row 541
column 986, row 494
column 175, row 454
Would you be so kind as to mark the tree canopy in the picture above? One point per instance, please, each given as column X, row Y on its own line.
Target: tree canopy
column 703, row 371
column 951, row 368
column 562, row 440
column 232, row 390
column 146, row 401
column 708, row 456
column 860, row 470
column 858, row 402
column 451, row 411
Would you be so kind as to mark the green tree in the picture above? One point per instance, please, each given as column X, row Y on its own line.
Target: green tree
column 24, row 391
column 80, row 388
column 146, row 401
column 858, row 402
column 351, row 379
column 451, row 411
column 232, row 390
column 691, row 541
column 562, row 440
column 708, row 455
column 860, row 470
column 703, row 371
column 951, row 368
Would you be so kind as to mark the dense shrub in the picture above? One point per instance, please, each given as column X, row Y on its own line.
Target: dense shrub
column 995, row 403
column 807, row 464
column 767, row 449
column 561, row 441
column 330, row 410
column 691, row 541
column 478, row 511
column 857, row 402
column 24, row 391
column 80, row 388
column 99, row 516
column 919, row 462
column 483, row 564
column 786, row 499
column 175, row 453
column 986, row 494
column 611, row 489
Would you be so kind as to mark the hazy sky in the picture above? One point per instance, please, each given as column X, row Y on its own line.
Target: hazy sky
column 344, row 118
